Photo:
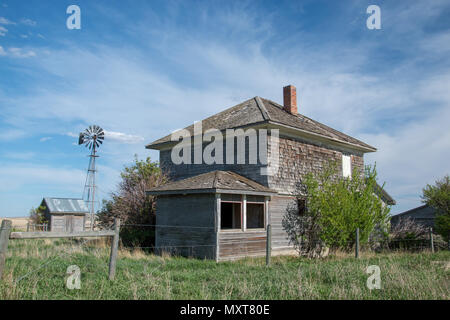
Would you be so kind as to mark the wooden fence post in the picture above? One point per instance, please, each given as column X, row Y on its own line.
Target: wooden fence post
column 431, row 240
column 114, row 248
column 5, row 230
column 357, row 244
column 268, row 244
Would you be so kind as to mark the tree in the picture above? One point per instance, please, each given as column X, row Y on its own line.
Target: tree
column 37, row 215
column 335, row 208
column 438, row 197
column 132, row 205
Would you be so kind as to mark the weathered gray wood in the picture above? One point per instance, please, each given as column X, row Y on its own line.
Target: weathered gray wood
column 357, row 244
column 4, row 238
column 431, row 240
column 114, row 248
column 54, row 234
column 268, row 244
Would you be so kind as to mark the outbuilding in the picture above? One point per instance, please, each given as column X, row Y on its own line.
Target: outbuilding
column 65, row 214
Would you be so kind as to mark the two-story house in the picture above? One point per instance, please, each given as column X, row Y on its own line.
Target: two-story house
column 237, row 171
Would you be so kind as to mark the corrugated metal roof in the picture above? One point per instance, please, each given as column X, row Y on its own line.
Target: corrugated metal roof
column 66, row 205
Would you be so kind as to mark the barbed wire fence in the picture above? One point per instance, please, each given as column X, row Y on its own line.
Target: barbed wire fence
column 142, row 237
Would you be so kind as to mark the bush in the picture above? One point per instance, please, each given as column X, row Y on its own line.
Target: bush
column 335, row 208
column 132, row 205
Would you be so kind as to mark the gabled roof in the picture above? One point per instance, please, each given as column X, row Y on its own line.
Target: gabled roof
column 65, row 205
column 263, row 111
column 213, row 182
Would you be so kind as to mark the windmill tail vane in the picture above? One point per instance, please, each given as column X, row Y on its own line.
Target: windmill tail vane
column 92, row 138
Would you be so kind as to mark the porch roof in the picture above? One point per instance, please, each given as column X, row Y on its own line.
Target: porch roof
column 213, row 182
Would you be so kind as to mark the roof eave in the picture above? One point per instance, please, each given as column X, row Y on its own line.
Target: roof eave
column 211, row 190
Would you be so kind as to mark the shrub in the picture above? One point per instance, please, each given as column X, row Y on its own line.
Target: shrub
column 335, row 208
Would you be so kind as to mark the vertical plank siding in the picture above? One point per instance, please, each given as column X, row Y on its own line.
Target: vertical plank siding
column 186, row 225
column 277, row 209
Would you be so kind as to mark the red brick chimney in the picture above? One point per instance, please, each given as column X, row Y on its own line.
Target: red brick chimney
column 290, row 99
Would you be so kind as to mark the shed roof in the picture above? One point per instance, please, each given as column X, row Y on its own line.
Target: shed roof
column 214, row 182
column 65, row 205
column 260, row 111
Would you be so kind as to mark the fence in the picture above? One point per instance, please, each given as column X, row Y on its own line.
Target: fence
column 190, row 243
column 6, row 234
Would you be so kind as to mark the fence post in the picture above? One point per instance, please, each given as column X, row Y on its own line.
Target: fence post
column 268, row 244
column 5, row 230
column 114, row 247
column 28, row 227
column 357, row 244
column 431, row 240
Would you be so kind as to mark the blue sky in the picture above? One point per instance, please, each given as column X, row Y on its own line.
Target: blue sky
column 141, row 69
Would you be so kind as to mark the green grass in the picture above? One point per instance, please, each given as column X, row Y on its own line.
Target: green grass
column 146, row 276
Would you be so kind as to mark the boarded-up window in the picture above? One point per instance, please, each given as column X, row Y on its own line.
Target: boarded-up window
column 230, row 215
column 255, row 215
column 346, row 166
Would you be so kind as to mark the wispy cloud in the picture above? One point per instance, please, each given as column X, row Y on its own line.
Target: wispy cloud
column 21, row 53
column 3, row 31
column 43, row 139
column 28, row 22
column 123, row 137
column 3, row 20
column 11, row 134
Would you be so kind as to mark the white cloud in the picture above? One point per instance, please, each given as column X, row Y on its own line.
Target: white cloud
column 116, row 137
column 3, row 20
column 3, row 31
column 28, row 22
column 20, row 53
column 2, row 51
column 43, row 139
column 122, row 137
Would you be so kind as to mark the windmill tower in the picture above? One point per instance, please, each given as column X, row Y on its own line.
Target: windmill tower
column 92, row 138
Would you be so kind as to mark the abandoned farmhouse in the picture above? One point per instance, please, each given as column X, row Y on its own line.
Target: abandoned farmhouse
column 229, row 205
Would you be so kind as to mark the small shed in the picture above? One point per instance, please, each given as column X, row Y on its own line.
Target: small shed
column 65, row 214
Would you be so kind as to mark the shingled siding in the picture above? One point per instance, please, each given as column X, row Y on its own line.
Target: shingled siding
column 195, row 216
column 183, row 171
column 298, row 158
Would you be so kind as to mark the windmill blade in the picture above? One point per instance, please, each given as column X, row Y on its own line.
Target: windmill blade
column 81, row 138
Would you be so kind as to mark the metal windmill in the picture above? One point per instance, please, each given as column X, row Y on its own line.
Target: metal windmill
column 92, row 138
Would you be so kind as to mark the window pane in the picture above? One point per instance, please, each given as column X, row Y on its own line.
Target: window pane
column 255, row 215
column 230, row 215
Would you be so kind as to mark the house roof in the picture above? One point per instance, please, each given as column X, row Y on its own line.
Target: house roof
column 262, row 111
column 386, row 197
column 213, row 182
column 65, row 205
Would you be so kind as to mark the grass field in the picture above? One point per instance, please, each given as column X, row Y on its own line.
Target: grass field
column 37, row 270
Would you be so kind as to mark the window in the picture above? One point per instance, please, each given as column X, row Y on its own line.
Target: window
column 230, row 215
column 301, row 206
column 255, row 215
column 346, row 166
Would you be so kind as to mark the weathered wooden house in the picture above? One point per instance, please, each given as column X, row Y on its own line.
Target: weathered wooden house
column 64, row 214
column 222, row 208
